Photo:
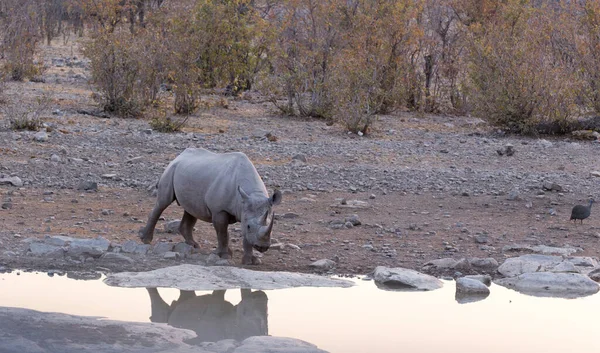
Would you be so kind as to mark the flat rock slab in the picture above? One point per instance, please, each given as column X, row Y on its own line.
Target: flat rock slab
column 404, row 279
column 515, row 266
column 196, row 277
column 30, row 331
column 550, row 284
column 541, row 249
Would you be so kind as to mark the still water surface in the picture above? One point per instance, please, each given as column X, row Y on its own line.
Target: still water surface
column 358, row 319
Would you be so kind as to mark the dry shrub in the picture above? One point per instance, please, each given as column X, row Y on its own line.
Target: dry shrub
column 25, row 116
column 517, row 78
column 116, row 72
column 20, row 36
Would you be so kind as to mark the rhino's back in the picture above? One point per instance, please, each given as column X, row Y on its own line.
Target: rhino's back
column 206, row 182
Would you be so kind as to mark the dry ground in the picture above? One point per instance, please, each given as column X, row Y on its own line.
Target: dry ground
column 438, row 183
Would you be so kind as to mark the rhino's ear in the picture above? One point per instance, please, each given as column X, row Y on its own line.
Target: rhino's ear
column 243, row 194
column 276, row 198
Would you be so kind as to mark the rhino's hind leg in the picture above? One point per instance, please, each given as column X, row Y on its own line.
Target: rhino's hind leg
column 221, row 222
column 186, row 227
column 147, row 233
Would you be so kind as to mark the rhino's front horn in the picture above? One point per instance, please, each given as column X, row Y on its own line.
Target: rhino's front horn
column 265, row 231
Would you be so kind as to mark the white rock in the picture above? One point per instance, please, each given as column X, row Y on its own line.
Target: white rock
column 195, row 277
column 549, row 284
column 515, row 266
column 470, row 286
column 323, row 264
column 268, row 344
column 403, row 278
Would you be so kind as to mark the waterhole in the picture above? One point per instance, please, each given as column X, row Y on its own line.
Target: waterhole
column 362, row 318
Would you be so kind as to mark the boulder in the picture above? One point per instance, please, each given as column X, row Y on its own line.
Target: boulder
column 25, row 330
column 541, row 249
column 550, row 284
column 46, row 250
column 404, row 279
column 162, row 247
column 129, row 246
column 196, row 277
column 88, row 247
column 466, row 285
column 515, row 266
column 14, row 181
column 488, row 264
column 323, row 265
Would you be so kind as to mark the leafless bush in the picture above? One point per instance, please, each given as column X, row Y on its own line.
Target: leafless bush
column 25, row 116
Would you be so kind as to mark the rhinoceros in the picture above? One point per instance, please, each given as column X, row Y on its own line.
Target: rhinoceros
column 221, row 188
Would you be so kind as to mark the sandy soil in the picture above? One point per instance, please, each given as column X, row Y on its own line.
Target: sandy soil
column 434, row 186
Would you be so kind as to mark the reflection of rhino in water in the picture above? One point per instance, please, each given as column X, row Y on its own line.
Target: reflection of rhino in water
column 211, row 317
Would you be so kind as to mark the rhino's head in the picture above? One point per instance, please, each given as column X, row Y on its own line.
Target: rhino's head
column 257, row 218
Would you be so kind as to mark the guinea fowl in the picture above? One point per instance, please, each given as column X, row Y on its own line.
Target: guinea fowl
column 581, row 212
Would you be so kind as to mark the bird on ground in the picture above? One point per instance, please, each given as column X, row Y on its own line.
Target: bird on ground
column 581, row 212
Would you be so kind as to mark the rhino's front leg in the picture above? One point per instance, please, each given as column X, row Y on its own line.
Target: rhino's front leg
column 221, row 222
column 249, row 258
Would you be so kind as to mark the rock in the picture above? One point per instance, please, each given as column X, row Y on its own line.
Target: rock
column 595, row 173
column 404, row 279
column 116, row 258
column 142, row 249
column 55, row 158
column 541, row 249
column 108, row 176
column 486, row 264
column 58, row 240
column 162, row 247
column 171, row 255
column 40, row 136
column 6, row 205
column 323, row 265
column 90, row 247
column 289, row 215
column 88, row 185
column 268, row 344
column 30, row 331
column 353, row 219
column 195, row 277
column 462, row 265
column 14, row 181
column 595, row 275
column 440, row 264
column 129, row 246
column 515, row 266
column 357, row 204
column 485, row 279
column 214, row 260
column 549, row 284
column 299, row 157
column 514, row 196
column 565, row 267
column 46, row 250
column 471, row 286
column 583, row 261
column 552, row 187
column 172, row 226
column 545, row 143
column 183, row 249
column 481, row 238
column 134, row 160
